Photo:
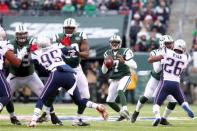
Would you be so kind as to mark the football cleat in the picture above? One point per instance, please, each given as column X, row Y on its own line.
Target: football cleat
column 121, row 118
column 43, row 118
column 164, row 122
column 156, row 122
column 15, row 121
column 134, row 116
column 102, row 110
column 32, row 123
column 79, row 122
column 125, row 114
column 55, row 120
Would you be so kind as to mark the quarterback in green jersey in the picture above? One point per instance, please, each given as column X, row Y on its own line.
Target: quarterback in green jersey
column 120, row 75
column 24, row 75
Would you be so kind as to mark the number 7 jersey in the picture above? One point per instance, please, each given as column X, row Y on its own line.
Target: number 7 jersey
column 173, row 64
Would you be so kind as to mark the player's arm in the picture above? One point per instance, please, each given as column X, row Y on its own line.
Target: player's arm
column 128, row 59
column 152, row 59
column 84, row 47
column 157, row 67
column 104, row 69
column 10, row 56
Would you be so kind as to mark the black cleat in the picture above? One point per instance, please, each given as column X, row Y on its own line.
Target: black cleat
column 55, row 120
column 15, row 121
column 134, row 116
column 43, row 118
column 79, row 122
column 121, row 118
column 165, row 122
column 156, row 122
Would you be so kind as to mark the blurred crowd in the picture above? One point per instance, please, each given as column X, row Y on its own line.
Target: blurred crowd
column 149, row 21
column 189, row 79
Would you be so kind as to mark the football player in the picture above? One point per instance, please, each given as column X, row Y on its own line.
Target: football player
column 77, row 40
column 61, row 75
column 174, row 63
column 6, row 52
column 24, row 75
column 165, row 41
column 119, row 75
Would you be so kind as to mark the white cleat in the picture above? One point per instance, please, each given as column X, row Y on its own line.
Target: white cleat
column 32, row 123
column 102, row 110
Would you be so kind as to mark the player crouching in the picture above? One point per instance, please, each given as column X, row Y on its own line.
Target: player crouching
column 61, row 75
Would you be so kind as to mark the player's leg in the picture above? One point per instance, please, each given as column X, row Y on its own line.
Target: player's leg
column 122, row 87
column 159, row 99
column 51, row 86
column 5, row 94
column 112, row 95
column 168, row 110
column 83, row 88
column 37, row 86
column 148, row 93
column 14, row 84
column 84, row 102
column 178, row 94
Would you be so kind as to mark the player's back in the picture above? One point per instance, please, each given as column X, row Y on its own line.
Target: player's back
column 49, row 57
column 173, row 65
column 4, row 46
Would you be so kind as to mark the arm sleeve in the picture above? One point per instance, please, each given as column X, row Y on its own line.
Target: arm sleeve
column 157, row 67
column 128, row 54
column 128, row 59
column 84, row 36
column 131, row 64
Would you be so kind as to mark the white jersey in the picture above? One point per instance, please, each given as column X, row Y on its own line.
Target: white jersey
column 173, row 64
column 4, row 47
column 157, row 67
column 49, row 57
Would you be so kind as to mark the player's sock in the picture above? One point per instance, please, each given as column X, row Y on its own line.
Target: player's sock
column 80, row 109
column 114, row 106
column 36, row 114
column 140, row 103
column 156, row 111
column 1, row 107
column 122, row 97
column 169, row 109
column 10, row 107
column 91, row 104
column 186, row 107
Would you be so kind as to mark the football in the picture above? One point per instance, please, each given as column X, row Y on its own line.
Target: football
column 109, row 62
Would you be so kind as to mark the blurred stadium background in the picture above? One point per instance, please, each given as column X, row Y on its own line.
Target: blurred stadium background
column 139, row 22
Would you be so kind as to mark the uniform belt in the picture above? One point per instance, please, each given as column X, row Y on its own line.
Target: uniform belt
column 54, row 69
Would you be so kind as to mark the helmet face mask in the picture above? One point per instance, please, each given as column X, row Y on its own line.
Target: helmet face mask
column 115, row 42
column 21, row 34
column 166, row 41
column 69, row 26
column 21, row 37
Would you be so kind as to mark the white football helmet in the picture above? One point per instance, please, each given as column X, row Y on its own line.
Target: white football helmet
column 180, row 45
column 2, row 34
column 69, row 26
column 21, row 33
column 115, row 42
column 43, row 42
column 165, row 39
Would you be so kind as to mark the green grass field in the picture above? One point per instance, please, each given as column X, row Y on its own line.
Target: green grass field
column 179, row 120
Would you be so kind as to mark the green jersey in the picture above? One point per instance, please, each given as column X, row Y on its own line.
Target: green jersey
column 119, row 70
column 73, row 41
column 28, row 68
column 154, row 74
